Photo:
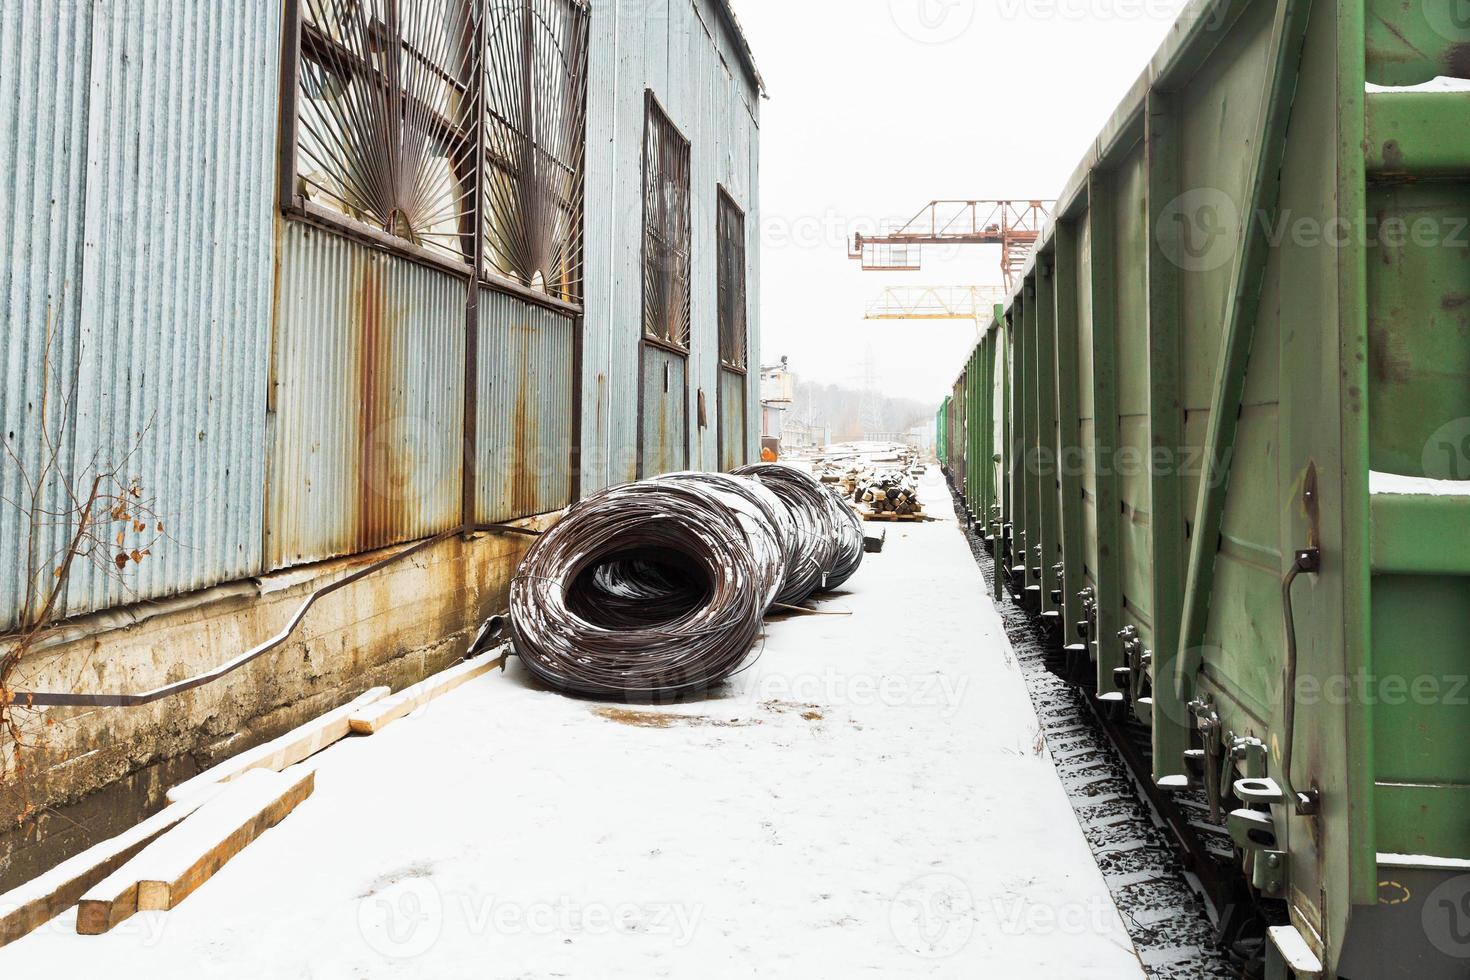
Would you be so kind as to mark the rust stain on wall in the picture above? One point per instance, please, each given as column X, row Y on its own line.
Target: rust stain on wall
column 381, row 473
column 522, row 489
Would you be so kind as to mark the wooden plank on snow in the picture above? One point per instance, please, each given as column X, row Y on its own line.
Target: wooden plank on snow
column 168, row 870
column 293, row 747
column 30, row 906
column 374, row 717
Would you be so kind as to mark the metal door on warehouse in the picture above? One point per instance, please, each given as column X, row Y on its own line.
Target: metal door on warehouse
column 663, row 438
column 734, row 436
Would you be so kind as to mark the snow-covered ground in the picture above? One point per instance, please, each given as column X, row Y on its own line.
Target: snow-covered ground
column 872, row 799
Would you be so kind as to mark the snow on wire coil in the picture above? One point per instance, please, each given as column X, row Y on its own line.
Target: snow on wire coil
column 647, row 590
column 829, row 539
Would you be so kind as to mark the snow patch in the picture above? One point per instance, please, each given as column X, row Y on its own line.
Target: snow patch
column 1422, row 861
column 1394, row 484
column 868, row 800
column 1443, row 83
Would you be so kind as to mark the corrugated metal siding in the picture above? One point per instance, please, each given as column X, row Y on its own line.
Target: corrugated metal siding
column 665, row 434
column 368, row 400
column 139, row 140
column 43, row 127
column 136, row 175
column 733, row 433
column 667, row 47
column 524, row 409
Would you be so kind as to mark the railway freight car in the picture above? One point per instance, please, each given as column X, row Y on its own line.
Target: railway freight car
column 1219, row 440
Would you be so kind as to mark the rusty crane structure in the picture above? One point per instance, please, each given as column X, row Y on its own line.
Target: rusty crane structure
column 1013, row 225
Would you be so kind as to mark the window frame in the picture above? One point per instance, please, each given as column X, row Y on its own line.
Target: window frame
column 725, row 203
column 654, row 112
column 298, row 36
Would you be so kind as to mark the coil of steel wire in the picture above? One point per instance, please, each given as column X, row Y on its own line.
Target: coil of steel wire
column 766, row 520
column 849, row 527
column 643, row 591
column 817, row 535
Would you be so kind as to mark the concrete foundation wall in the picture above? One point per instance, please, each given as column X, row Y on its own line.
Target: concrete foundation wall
column 91, row 773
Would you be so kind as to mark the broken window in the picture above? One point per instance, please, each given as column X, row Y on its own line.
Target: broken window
column 666, row 230
column 730, row 232
column 392, row 96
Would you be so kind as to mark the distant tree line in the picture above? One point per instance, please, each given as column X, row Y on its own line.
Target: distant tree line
column 851, row 414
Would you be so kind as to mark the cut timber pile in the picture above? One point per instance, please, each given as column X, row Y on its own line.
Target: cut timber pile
column 211, row 817
column 888, row 493
column 168, row 870
column 42, row 899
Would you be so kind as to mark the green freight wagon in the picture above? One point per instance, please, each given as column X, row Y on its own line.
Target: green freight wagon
column 941, row 430
column 1230, row 400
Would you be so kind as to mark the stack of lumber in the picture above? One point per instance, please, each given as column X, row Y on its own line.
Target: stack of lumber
column 210, row 818
column 888, row 492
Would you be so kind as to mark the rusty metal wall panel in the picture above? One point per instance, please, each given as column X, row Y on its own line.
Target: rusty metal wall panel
column 665, row 411
column 139, row 162
column 672, row 47
column 615, row 106
column 367, row 406
column 733, row 419
column 524, row 409
column 43, row 128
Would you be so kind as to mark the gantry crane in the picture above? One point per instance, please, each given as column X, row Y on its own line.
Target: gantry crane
column 1015, row 226
column 935, row 303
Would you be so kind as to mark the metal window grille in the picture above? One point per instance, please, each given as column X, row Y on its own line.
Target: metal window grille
column 732, row 299
column 397, row 97
column 666, row 230
column 535, row 135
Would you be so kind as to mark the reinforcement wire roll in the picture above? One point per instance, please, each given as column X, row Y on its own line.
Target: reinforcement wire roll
column 849, row 530
column 766, row 521
column 807, row 501
column 646, row 590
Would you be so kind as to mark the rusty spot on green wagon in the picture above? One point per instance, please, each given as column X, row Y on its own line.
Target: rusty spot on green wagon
column 1389, row 355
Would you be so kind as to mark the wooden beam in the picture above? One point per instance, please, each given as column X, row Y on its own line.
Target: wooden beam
column 293, row 747
column 372, row 719
column 168, row 870
column 32, row 905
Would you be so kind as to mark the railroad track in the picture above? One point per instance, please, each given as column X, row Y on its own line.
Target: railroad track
column 1167, row 889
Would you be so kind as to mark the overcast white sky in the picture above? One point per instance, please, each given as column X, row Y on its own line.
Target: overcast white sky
column 877, row 107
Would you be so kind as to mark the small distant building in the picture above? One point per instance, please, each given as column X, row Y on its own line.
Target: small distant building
column 778, row 393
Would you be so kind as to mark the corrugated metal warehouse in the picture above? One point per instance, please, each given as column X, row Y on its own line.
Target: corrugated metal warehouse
column 309, row 280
